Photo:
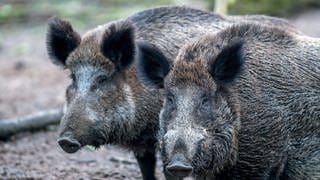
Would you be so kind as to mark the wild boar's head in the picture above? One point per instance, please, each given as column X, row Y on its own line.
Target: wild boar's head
column 199, row 121
column 99, row 103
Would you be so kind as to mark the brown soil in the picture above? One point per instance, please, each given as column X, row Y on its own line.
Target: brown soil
column 30, row 83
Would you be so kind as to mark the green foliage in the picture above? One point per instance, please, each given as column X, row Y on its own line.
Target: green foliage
column 6, row 10
column 9, row 11
column 82, row 13
column 271, row 7
column 92, row 12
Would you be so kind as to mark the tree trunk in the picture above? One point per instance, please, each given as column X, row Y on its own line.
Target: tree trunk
column 221, row 6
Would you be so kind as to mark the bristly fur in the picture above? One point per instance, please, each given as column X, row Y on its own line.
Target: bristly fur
column 61, row 40
column 118, row 44
column 229, row 62
column 152, row 64
column 120, row 108
column 261, row 91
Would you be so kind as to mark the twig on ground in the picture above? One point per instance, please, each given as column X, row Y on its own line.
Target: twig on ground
column 35, row 121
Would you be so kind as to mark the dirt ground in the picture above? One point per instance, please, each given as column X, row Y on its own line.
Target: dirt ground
column 30, row 83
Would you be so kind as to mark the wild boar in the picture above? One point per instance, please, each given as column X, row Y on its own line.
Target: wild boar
column 105, row 103
column 243, row 103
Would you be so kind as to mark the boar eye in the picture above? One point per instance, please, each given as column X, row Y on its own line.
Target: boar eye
column 205, row 102
column 170, row 98
column 102, row 79
column 73, row 77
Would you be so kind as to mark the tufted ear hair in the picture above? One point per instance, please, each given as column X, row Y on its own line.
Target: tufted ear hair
column 153, row 65
column 228, row 64
column 118, row 44
column 61, row 40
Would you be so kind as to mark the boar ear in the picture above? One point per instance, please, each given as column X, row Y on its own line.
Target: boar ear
column 228, row 63
column 61, row 40
column 153, row 66
column 118, row 44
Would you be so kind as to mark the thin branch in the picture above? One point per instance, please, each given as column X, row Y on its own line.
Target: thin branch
column 35, row 121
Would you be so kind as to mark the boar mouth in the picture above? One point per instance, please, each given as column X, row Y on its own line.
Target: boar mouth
column 179, row 166
column 97, row 143
column 95, row 138
column 71, row 143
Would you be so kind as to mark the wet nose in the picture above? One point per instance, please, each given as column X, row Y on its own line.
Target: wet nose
column 179, row 167
column 69, row 145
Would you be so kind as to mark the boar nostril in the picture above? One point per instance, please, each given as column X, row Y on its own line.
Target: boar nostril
column 179, row 169
column 69, row 145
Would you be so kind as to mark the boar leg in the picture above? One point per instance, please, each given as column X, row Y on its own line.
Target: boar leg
column 147, row 163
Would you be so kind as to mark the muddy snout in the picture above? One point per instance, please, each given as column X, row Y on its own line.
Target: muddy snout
column 179, row 166
column 69, row 144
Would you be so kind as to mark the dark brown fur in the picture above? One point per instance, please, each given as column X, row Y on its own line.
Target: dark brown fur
column 246, row 103
column 105, row 102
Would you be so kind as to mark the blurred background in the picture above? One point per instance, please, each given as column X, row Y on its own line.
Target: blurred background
column 30, row 83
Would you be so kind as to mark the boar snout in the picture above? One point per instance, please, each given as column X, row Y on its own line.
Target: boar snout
column 179, row 166
column 69, row 144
